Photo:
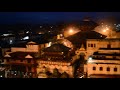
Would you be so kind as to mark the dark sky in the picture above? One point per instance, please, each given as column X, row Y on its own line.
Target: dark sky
column 51, row 17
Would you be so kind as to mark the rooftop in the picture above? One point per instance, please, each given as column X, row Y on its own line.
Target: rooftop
column 107, row 54
column 21, row 55
column 109, row 48
column 82, row 36
column 57, row 48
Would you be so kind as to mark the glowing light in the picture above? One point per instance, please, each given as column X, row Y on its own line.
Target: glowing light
column 40, row 26
column 11, row 41
column 104, row 30
column 27, row 37
column 6, row 34
column 27, row 32
column 49, row 44
column 90, row 59
column 71, row 31
column 1, row 76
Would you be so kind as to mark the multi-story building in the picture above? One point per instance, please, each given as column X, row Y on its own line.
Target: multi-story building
column 103, row 58
column 23, row 57
column 56, row 57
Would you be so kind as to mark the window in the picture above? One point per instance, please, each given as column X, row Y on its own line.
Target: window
column 101, row 68
column 115, row 69
column 94, row 68
column 88, row 45
column 94, row 45
column 108, row 46
column 108, row 69
column 114, row 57
column 91, row 45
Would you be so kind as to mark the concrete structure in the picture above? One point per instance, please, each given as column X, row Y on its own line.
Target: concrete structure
column 103, row 58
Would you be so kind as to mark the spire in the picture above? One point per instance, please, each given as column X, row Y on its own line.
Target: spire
column 7, row 55
column 28, row 56
column 82, row 48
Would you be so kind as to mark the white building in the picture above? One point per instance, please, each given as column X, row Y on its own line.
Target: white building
column 103, row 58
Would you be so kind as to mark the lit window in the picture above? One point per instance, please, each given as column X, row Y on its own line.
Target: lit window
column 94, row 68
column 115, row 69
column 101, row 68
column 108, row 69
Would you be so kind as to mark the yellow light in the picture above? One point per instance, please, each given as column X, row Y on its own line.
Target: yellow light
column 104, row 30
column 71, row 30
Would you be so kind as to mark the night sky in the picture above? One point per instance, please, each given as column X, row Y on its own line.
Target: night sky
column 52, row 17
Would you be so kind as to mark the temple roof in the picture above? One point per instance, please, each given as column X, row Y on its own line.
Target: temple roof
column 21, row 55
column 87, row 25
column 57, row 48
column 28, row 56
column 82, row 36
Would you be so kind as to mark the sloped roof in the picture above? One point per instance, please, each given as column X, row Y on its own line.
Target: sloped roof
column 31, row 43
column 57, row 48
column 20, row 44
column 81, row 37
column 28, row 56
column 22, row 55
column 7, row 55
column 87, row 25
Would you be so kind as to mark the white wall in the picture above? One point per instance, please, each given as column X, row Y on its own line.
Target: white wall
column 104, row 71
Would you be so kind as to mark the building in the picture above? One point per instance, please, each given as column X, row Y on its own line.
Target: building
column 55, row 62
column 23, row 57
column 104, row 61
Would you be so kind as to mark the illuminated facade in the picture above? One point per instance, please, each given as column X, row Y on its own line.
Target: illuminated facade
column 55, row 57
column 103, row 58
column 23, row 59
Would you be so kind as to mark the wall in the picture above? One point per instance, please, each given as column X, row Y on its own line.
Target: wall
column 104, row 71
column 52, row 65
column 15, row 49
column 101, row 43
